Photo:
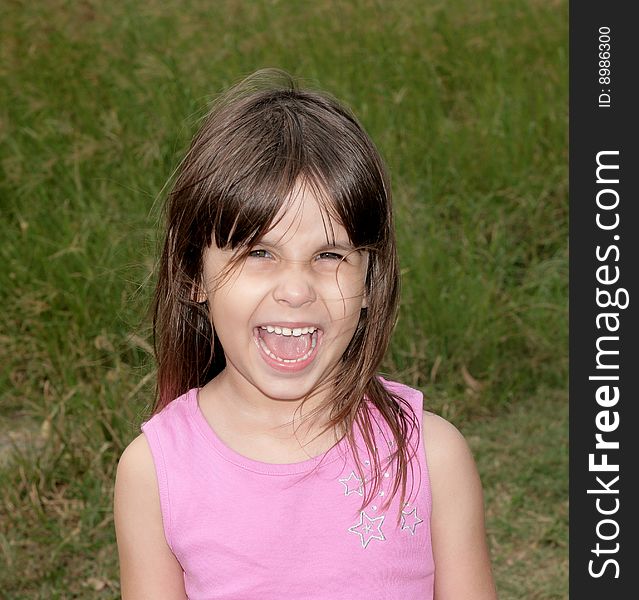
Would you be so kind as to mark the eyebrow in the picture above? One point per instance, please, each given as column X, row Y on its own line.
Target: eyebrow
column 338, row 245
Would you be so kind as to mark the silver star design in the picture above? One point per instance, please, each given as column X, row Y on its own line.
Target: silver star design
column 347, row 485
column 412, row 522
column 368, row 529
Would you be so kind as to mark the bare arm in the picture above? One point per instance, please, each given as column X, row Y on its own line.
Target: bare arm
column 462, row 563
column 148, row 568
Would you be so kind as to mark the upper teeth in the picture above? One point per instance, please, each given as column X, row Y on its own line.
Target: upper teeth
column 296, row 331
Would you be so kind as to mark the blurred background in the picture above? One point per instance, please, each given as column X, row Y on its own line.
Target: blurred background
column 467, row 101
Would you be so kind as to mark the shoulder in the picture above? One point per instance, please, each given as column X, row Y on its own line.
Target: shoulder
column 175, row 411
column 135, row 481
column 457, row 519
column 451, row 465
column 411, row 395
column 136, row 462
column 445, row 445
column 148, row 567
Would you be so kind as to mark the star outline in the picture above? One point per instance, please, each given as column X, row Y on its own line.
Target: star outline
column 416, row 520
column 347, row 489
column 373, row 533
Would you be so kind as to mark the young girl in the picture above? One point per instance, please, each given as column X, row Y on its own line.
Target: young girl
column 277, row 462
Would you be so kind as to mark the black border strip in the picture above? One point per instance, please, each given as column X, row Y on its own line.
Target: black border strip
column 604, row 529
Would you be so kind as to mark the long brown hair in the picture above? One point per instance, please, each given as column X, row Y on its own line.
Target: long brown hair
column 260, row 140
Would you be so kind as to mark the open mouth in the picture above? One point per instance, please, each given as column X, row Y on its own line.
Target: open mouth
column 288, row 346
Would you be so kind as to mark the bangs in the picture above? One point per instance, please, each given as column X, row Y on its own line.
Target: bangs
column 255, row 154
column 258, row 213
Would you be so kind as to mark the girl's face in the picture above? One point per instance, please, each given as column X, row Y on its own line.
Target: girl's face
column 286, row 314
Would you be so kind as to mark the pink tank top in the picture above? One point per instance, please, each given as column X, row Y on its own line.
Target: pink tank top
column 244, row 529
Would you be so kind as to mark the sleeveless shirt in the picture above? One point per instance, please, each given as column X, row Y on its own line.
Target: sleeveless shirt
column 243, row 529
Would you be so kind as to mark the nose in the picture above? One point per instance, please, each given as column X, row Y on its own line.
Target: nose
column 294, row 286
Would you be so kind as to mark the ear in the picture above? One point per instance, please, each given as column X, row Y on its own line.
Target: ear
column 365, row 299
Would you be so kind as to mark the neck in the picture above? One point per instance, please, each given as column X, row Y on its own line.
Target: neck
column 251, row 413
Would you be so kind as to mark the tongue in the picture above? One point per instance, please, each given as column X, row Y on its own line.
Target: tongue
column 287, row 346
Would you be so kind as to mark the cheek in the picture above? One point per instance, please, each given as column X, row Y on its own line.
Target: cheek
column 346, row 298
column 235, row 303
column 352, row 283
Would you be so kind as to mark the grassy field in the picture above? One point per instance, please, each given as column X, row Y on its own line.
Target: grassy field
column 468, row 104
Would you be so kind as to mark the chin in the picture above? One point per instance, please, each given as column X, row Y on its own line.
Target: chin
column 289, row 387
column 286, row 390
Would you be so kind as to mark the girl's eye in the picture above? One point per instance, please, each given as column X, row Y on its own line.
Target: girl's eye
column 259, row 253
column 330, row 256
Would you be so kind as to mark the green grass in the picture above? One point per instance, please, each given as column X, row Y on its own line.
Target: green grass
column 467, row 102
column 523, row 457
